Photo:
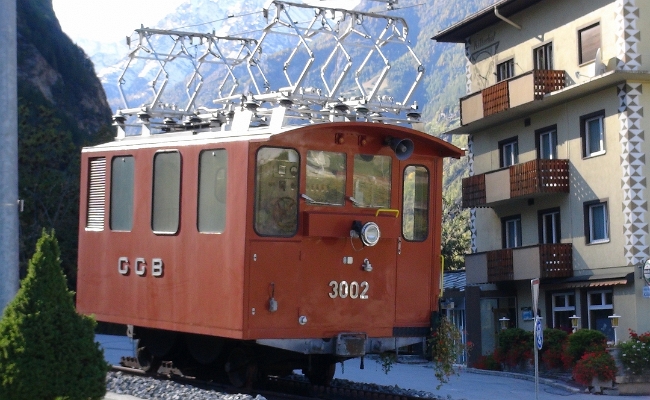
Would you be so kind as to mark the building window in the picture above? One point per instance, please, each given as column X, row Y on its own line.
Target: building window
column 588, row 43
column 547, row 143
column 600, row 304
column 511, row 227
column 505, row 70
column 213, row 179
column 596, row 222
column 325, row 179
column 276, row 191
column 122, row 182
column 166, row 206
column 549, row 226
column 592, row 133
column 564, row 307
column 509, row 152
column 543, row 56
column 415, row 204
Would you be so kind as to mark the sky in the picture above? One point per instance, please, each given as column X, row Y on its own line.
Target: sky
column 109, row 21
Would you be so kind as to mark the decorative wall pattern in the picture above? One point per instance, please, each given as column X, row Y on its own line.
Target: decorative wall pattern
column 468, row 68
column 472, row 211
column 628, row 35
column 635, row 205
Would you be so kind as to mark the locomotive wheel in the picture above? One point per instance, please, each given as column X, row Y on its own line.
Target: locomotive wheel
column 148, row 362
column 158, row 342
column 241, row 368
column 321, row 372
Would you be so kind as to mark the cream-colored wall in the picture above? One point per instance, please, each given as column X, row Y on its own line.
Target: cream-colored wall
column 555, row 21
column 592, row 178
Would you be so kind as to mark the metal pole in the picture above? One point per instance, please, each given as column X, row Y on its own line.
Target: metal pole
column 8, row 154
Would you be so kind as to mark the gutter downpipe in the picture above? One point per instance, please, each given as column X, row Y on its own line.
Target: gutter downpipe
column 502, row 18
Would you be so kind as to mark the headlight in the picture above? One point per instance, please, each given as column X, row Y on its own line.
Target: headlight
column 370, row 234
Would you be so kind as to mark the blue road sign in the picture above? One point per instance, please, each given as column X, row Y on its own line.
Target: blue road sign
column 539, row 334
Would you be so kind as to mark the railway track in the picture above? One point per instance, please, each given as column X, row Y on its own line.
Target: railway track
column 276, row 388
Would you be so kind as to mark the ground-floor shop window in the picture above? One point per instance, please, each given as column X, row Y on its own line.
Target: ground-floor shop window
column 601, row 305
column 564, row 307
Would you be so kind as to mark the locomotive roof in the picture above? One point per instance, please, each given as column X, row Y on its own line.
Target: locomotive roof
column 189, row 137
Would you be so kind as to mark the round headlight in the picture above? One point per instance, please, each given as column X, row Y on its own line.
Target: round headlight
column 370, row 234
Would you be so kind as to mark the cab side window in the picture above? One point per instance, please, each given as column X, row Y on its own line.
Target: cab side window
column 213, row 173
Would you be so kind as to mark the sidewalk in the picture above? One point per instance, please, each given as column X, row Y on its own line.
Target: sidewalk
column 470, row 384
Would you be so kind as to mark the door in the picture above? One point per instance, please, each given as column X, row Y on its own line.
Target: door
column 415, row 245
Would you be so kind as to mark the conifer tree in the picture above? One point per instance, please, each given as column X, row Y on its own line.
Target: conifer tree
column 47, row 350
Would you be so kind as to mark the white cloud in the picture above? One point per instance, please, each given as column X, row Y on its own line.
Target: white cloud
column 109, row 20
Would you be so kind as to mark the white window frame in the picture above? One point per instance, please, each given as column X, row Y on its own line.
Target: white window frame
column 505, row 70
column 590, row 209
column 511, row 157
column 604, row 306
column 517, row 232
column 565, row 308
column 543, row 57
column 548, row 139
column 588, row 139
column 555, row 226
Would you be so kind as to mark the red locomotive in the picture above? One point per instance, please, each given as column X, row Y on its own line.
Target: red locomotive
column 262, row 247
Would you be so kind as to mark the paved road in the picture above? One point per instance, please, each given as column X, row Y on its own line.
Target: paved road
column 466, row 386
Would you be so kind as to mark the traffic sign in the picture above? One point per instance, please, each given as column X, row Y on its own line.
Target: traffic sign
column 539, row 333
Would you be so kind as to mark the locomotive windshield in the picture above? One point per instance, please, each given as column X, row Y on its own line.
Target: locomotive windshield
column 372, row 181
column 276, row 192
column 326, row 175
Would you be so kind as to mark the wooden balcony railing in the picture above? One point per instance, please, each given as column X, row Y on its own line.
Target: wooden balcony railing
column 539, row 176
column 549, row 261
column 474, row 191
column 524, row 88
column 556, row 260
column 527, row 179
column 500, row 266
column 547, row 81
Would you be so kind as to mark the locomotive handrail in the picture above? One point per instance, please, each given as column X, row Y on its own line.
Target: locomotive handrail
column 387, row 210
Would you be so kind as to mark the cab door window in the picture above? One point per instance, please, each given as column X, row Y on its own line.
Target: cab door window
column 276, row 191
column 415, row 203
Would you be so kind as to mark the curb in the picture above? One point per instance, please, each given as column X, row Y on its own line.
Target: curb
column 545, row 381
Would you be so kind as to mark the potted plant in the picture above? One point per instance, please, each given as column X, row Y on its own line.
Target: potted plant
column 634, row 355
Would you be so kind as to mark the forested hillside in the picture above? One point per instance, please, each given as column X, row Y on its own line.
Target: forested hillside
column 61, row 107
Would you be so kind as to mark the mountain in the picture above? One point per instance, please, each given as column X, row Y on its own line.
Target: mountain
column 61, row 107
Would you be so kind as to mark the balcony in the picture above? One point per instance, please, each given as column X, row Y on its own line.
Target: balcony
column 529, row 179
column 521, row 263
column 510, row 93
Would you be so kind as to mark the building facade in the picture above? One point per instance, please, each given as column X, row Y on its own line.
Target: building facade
column 556, row 91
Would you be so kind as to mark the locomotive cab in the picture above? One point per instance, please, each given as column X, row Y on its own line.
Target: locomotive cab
column 280, row 226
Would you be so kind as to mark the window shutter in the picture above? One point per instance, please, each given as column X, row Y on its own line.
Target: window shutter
column 589, row 43
column 96, row 194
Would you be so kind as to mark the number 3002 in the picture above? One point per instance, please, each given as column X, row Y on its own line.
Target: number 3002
column 354, row 290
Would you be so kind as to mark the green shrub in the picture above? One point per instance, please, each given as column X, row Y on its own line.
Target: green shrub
column 47, row 350
column 515, row 347
column 551, row 353
column 635, row 353
column 581, row 342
